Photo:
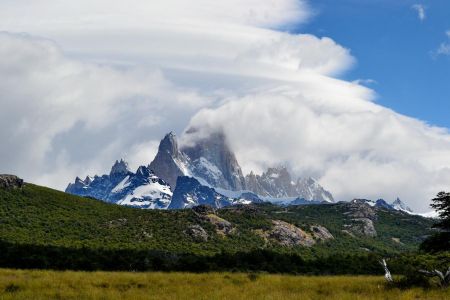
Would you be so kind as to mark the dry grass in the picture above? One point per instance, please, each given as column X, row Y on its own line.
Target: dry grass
column 18, row 284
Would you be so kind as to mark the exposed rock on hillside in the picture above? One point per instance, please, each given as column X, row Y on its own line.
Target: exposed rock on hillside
column 358, row 208
column 362, row 226
column 207, row 213
column 289, row 235
column 321, row 233
column 10, row 182
column 197, row 233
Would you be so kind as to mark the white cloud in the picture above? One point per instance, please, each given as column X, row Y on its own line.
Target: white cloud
column 366, row 151
column 60, row 116
column 421, row 11
column 444, row 48
column 123, row 75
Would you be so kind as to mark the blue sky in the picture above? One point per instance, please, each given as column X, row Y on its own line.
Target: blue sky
column 393, row 47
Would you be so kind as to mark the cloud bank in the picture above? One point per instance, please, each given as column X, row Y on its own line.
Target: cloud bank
column 108, row 81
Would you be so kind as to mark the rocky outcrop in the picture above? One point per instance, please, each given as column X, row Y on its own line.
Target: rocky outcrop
column 197, row 233
column 288, row 235
column 358, row 208
column 207, row 213
column 10, row 182
column 362, row 226
column 321, row 233
column 362, row 217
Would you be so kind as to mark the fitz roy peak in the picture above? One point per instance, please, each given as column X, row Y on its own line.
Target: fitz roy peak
column 212, row 162
column 209, row 160
column 219, row 180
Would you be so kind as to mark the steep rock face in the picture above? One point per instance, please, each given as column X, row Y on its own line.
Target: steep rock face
column 10, row 182
column 189, row 193
column 278, row 183
column 142, row 189
column 169, row 163
column 212, row 160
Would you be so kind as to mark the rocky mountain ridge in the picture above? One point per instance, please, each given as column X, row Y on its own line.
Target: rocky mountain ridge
column 142, row 189
column 204, row 171
column 211, row 161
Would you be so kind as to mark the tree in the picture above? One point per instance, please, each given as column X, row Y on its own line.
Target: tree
column 441, row 240
column 442, row 205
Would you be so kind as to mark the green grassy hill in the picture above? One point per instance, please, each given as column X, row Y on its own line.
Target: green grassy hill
column 41, row 227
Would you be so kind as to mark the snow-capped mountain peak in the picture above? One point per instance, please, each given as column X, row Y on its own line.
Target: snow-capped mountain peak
column 399, row 205
column 141, row 189
column 209, row 160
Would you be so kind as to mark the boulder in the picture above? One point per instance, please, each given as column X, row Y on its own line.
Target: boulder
column 10, row 182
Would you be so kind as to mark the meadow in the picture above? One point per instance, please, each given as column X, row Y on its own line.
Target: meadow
column 33, row 284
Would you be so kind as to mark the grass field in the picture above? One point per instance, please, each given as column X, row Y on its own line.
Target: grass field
column 18, row 284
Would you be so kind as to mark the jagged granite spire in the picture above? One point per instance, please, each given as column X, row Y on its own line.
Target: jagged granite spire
column 169, row 162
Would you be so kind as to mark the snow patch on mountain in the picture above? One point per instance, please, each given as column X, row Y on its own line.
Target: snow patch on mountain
column 142, row 189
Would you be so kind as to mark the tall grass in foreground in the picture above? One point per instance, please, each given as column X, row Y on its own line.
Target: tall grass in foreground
column 18, row 284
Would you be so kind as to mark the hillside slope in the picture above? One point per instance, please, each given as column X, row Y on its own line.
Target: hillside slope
column 35, row 216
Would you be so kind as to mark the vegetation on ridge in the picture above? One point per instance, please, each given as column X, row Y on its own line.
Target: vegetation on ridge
column 44, row 228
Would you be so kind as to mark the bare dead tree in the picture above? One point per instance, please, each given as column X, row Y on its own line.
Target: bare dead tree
column 444, row 279
column 387, row 274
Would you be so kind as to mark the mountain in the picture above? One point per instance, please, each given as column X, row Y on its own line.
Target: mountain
column 212, row 162
column 142, row 189
column 170, row 163
column 278, row 183
column 209, row 159
column 41, row 227
column 399, row 205
column 189, row 192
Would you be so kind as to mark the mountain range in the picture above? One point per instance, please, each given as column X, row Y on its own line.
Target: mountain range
column 203, row 171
